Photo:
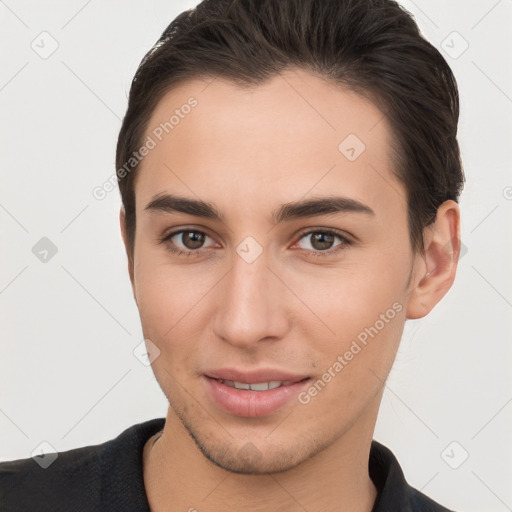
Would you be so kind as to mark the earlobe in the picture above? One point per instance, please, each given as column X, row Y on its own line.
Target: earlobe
column 439, row 261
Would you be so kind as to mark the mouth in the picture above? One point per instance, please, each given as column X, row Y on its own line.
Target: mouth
column 257, row 386
column 253, row 394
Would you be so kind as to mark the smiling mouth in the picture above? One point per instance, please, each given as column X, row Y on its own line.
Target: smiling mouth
column 253, row 399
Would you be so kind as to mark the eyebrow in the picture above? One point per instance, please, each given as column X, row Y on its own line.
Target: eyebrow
column 169, row 203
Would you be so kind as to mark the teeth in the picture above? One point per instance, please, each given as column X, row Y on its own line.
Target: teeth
column 261, row 386
column 257, row 386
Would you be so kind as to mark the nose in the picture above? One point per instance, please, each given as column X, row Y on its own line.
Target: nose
column 251, row 303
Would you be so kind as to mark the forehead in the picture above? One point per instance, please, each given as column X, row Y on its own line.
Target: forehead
column 289, row 136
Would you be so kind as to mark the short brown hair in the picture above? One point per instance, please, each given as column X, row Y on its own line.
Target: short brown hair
column 373, row 47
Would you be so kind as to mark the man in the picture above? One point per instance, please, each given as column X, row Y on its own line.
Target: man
column 289, row 173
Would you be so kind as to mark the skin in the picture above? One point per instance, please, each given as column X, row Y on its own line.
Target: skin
column 249, row 150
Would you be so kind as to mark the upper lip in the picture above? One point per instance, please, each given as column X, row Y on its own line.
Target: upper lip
column 255, row 376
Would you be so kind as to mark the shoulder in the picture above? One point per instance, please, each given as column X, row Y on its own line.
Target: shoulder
column 72, row 474
column 394, row 493
column 79, row 479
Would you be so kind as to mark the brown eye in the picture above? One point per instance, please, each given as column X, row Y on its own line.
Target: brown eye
column 186, row 242
column 192, row 239
column 321, row 240
column 322, row 243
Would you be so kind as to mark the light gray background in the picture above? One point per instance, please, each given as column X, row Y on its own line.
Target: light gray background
column 68, row 374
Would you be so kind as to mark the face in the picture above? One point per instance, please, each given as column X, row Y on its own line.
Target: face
column 296, row 272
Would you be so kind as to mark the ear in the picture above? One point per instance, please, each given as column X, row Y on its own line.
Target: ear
column 436, row 268
column 122, row 222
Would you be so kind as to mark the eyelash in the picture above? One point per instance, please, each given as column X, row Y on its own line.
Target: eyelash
column 345, row 242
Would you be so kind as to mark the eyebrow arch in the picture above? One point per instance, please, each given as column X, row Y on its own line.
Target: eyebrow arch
column 169, row 203
column 319, row 206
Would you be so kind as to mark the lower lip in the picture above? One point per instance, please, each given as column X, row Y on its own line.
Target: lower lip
column 252, row 404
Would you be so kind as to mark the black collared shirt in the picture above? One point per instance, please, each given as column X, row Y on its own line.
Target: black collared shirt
column 108, row 477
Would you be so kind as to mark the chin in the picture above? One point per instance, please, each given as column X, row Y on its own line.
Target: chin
column 249, row 460
column 255, row 458
column 275, row 450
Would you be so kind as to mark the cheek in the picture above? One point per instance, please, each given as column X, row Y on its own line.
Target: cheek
column 352, row 299
column 170, row 298
column 364, row 308
column 156, row 300
column 159, row 292
column 353, row 368
column 169, row 306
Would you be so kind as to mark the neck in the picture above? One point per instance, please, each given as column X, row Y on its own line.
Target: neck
column 177, row 476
